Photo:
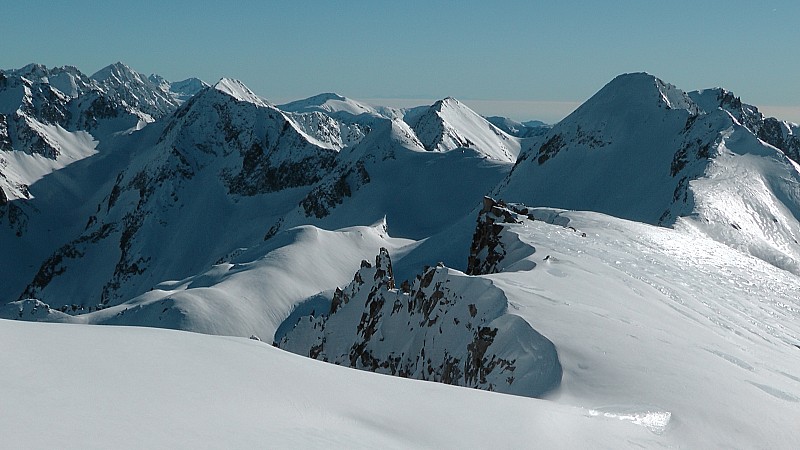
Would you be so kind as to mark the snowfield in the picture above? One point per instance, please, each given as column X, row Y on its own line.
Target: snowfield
column 85, row 387
column 663, row 327
column 665, row 339
column 648, row 295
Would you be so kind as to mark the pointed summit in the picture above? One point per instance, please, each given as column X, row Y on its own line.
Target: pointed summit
column 239, row 91
column 449, row 124
column 619, row 153
column 135, row 89
column 633, row 94
column 119, row 72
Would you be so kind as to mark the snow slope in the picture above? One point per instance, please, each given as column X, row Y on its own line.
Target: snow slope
column 148, row 388
column 21, row 169
column 687, row 341
column 678, row 333
column 643, row 150
column 654, row 324
column 254, row 291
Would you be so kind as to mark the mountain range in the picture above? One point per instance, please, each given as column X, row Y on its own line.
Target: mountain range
column 635, row 263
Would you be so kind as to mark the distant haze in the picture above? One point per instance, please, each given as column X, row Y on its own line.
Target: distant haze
column 523, row 59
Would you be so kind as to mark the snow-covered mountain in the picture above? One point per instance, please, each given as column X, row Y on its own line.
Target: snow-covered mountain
column 223, row 147
column 643, row 150
column 329, row 103
column 231, row 160
column 642, row 277
column 180, row 90
column 449, row 124
column 50, row 117
column 135, row 89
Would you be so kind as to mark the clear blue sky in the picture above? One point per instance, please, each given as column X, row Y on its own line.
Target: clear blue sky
column 486, row 53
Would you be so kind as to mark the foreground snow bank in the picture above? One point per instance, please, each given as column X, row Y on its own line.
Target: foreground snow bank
column 77, row 386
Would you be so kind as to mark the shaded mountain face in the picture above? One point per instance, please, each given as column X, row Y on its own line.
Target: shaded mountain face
column 228, row 150
column 223, row 146
column 53, row 117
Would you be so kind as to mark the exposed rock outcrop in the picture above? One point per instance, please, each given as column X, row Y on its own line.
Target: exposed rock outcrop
column 444, row 327
column 326, row 196
column 487, row 249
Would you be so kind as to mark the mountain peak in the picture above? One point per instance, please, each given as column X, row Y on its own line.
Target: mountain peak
column 329, row 103
column 238, row 91
column 325, row 96
column 449, row 124
column 636, row 94
column 643, row 84
column 450, row 102
column 37, row 70
column 117, row 70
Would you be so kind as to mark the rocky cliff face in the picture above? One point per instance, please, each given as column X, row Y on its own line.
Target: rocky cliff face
column 487, row 249
column 444, row 327
column 780, row 134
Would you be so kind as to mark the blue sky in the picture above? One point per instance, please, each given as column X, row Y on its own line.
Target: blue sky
column 524, row 59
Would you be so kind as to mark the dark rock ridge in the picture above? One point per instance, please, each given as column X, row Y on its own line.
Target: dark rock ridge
column 32, row 309
column 494, row 250
column 445, row 327
column 487, row 249
column 778, row 133
column 327, row 195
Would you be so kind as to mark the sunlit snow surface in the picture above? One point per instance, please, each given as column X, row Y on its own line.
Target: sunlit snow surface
column 672, row 331
column 83, row 387
column 656, row 421
column 684, row 337
column 666, row 339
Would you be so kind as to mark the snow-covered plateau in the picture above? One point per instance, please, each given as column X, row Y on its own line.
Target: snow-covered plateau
column 625, row 278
